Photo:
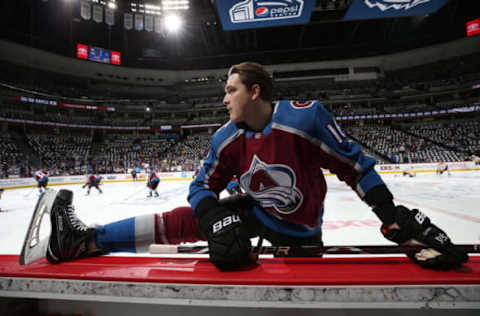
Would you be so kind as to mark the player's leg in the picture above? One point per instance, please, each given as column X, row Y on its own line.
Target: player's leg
column 154, row 186
column 72, row 239
column 41, row 186
column 149, row 186
column 97, row 186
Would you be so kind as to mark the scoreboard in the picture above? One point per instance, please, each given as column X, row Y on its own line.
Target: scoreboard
column 98, row 54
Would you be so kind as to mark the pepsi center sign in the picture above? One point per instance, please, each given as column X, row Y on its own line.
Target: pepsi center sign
column 246, row 14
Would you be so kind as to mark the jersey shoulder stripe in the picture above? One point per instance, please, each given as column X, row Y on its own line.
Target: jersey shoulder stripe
column 227, row 131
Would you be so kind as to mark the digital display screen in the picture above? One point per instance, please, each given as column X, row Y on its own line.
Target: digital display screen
column 99, row 54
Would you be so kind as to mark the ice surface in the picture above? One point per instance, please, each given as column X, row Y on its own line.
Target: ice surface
column 452, row 202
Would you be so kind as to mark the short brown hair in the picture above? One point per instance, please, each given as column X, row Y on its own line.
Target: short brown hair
column 251, row 73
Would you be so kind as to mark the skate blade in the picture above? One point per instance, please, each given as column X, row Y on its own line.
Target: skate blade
column 35, row 248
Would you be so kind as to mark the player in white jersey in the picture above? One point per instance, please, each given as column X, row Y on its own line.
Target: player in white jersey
column 409, row 171
column 476, row 160
column 442, row 167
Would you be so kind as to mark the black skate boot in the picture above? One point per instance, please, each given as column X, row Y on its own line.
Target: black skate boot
column 70, row 237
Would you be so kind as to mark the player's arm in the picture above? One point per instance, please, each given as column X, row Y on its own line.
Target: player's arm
column 229, row 245
column 399, row 224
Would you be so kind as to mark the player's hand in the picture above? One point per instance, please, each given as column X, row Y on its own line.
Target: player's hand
column 228, row 242
column 412, row 227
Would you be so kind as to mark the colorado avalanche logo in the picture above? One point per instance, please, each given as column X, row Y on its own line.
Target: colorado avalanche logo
column 272, row 186
column 385, row 5
column 261, row 12
column 300, row 105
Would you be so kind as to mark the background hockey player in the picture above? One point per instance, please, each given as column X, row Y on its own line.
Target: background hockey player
column 134, row 174
column 152, row 182
column 93, row 181
column 233, row 187
column 475, row 159
column 41, row 176
column 277, row 150
column 409, row 171
column 442, row 167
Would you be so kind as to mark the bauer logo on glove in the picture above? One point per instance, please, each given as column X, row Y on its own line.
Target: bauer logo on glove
column 223, row 223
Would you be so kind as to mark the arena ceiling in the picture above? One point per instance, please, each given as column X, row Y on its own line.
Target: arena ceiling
column 56, row 26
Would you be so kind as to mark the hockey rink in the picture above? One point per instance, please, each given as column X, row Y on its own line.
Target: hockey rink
column 452, row 202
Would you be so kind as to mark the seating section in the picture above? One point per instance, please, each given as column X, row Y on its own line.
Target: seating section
column 403, row 147
column 144, row 129
column 462, row 137
column 62, row 154
column 10, row 156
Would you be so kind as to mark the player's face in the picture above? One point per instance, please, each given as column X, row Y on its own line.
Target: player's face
column 238, row 99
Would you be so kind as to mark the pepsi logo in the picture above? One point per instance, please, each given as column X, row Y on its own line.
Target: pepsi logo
column 261, row 12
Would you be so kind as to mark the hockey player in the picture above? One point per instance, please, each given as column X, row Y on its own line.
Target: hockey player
column 41, row 176
column 134, row 174
column 277, row 151
column 409, row 171
column 233, row 187
column 475, row 159
column 442, row 167
column 152, row 182
column 93, row 181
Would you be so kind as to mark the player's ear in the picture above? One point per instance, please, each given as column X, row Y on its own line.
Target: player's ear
column 255, row 90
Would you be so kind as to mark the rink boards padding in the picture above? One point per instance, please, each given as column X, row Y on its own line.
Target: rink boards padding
column 270, row 271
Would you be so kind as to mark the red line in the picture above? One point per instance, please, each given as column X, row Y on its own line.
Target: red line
column 465, row 217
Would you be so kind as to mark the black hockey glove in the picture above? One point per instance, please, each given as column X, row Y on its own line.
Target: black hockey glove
column 228, row 242
column 416, row 229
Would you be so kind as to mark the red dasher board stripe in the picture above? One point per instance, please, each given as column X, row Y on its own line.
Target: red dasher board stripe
column 268, row 271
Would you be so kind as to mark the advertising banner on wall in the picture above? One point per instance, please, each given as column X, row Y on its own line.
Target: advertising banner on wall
column 378, row 9
column 473, row 27
column 247, row 14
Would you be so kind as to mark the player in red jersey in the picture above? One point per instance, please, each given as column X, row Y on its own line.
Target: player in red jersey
column 93, row 181
column 41, row 176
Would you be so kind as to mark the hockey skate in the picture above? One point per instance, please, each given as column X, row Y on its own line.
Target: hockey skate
column 69, row 237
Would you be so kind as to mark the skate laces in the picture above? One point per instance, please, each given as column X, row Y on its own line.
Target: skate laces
column 74, row 220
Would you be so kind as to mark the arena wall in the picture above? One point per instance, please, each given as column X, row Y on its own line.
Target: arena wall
column 19, row 183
